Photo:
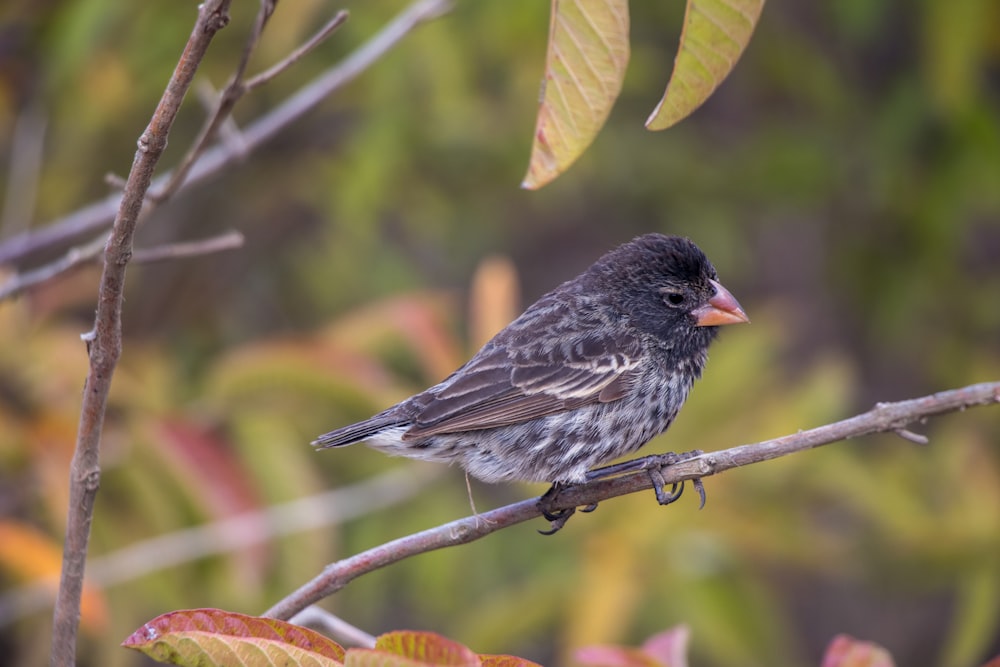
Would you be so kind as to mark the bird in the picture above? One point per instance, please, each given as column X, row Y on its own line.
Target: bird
column 589, row 373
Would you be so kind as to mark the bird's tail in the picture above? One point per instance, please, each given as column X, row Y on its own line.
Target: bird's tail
column 348, row 435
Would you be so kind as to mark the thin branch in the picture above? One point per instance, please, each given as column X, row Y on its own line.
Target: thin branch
column 227, row 100
column 92, row 253
column 343, row 632
column 75, row 257
column 98, row 215
column 885, row 417
column 228, row 535
column 321, row 36
column 106, row 337
column 228, row 241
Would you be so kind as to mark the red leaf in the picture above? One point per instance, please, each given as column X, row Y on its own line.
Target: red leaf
column 214, row 636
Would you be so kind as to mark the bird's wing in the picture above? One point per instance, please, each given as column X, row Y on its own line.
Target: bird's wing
column 502, row 386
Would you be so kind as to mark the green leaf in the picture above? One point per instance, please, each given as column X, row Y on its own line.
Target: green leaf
column 714, row 36
column 584, row 68
column 203, row 637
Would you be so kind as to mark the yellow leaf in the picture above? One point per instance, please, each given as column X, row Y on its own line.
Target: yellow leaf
column 584, row 68
column 714, row 36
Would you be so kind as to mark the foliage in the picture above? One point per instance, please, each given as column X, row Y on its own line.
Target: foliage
column 214, row 637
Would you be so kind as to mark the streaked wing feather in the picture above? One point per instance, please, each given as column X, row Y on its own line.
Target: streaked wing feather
column 496, row 390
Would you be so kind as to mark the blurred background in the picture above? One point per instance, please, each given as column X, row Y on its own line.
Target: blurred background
column 845, row 181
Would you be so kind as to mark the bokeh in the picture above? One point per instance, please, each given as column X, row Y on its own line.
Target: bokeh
column 845, row 181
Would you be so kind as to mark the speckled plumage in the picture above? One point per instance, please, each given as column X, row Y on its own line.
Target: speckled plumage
column 590, row 372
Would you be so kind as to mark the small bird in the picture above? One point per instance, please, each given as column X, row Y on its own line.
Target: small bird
column 590, row 372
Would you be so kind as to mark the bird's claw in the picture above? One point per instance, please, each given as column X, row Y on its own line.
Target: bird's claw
column 556, row 520
column 557, row 517
column 654, row 467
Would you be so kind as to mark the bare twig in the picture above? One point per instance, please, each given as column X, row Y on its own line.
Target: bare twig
column 228, row 535
column 92, row 253
column 228, row 241
column 299, row 53
column 105, row 339
column 320, row 619
column 77, row 256
column 885, row 417
column 99, row 214
column 227, row 100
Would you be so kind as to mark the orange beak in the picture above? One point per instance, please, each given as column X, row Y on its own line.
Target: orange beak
column 722, row 308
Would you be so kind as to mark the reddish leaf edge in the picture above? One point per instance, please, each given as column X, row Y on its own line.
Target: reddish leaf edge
column 429, row 648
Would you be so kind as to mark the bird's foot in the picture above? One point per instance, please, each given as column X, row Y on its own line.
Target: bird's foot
column 654, row 467
column 557, row 518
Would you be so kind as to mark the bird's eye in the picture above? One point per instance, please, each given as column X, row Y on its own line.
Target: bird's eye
column 675, row 298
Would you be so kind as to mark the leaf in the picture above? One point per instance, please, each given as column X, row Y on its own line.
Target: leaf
column 584, row 68
column 367, row 657
column 666, row 649
column 714, row 36
column 215, row 637
column 505, row 661
column 845, row 651
column 426, row 648
column 614, row 656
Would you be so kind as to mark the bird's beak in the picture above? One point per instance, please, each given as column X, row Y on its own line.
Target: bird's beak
column 722, row 308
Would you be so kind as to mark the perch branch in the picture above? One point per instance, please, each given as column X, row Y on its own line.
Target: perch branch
column 885, row 417
column 104, row 341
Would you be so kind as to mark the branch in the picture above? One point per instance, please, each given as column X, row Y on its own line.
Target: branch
column 299, row 53
column 104, row 341
column 91, row 252
column 885, row 417
column 228, row 241
column 98, row 215
column 224, row 106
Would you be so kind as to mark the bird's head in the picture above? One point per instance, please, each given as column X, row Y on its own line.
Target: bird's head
column 668, row 288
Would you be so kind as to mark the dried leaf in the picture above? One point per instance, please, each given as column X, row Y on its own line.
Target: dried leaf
column 714, row 36
column 584, row 68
